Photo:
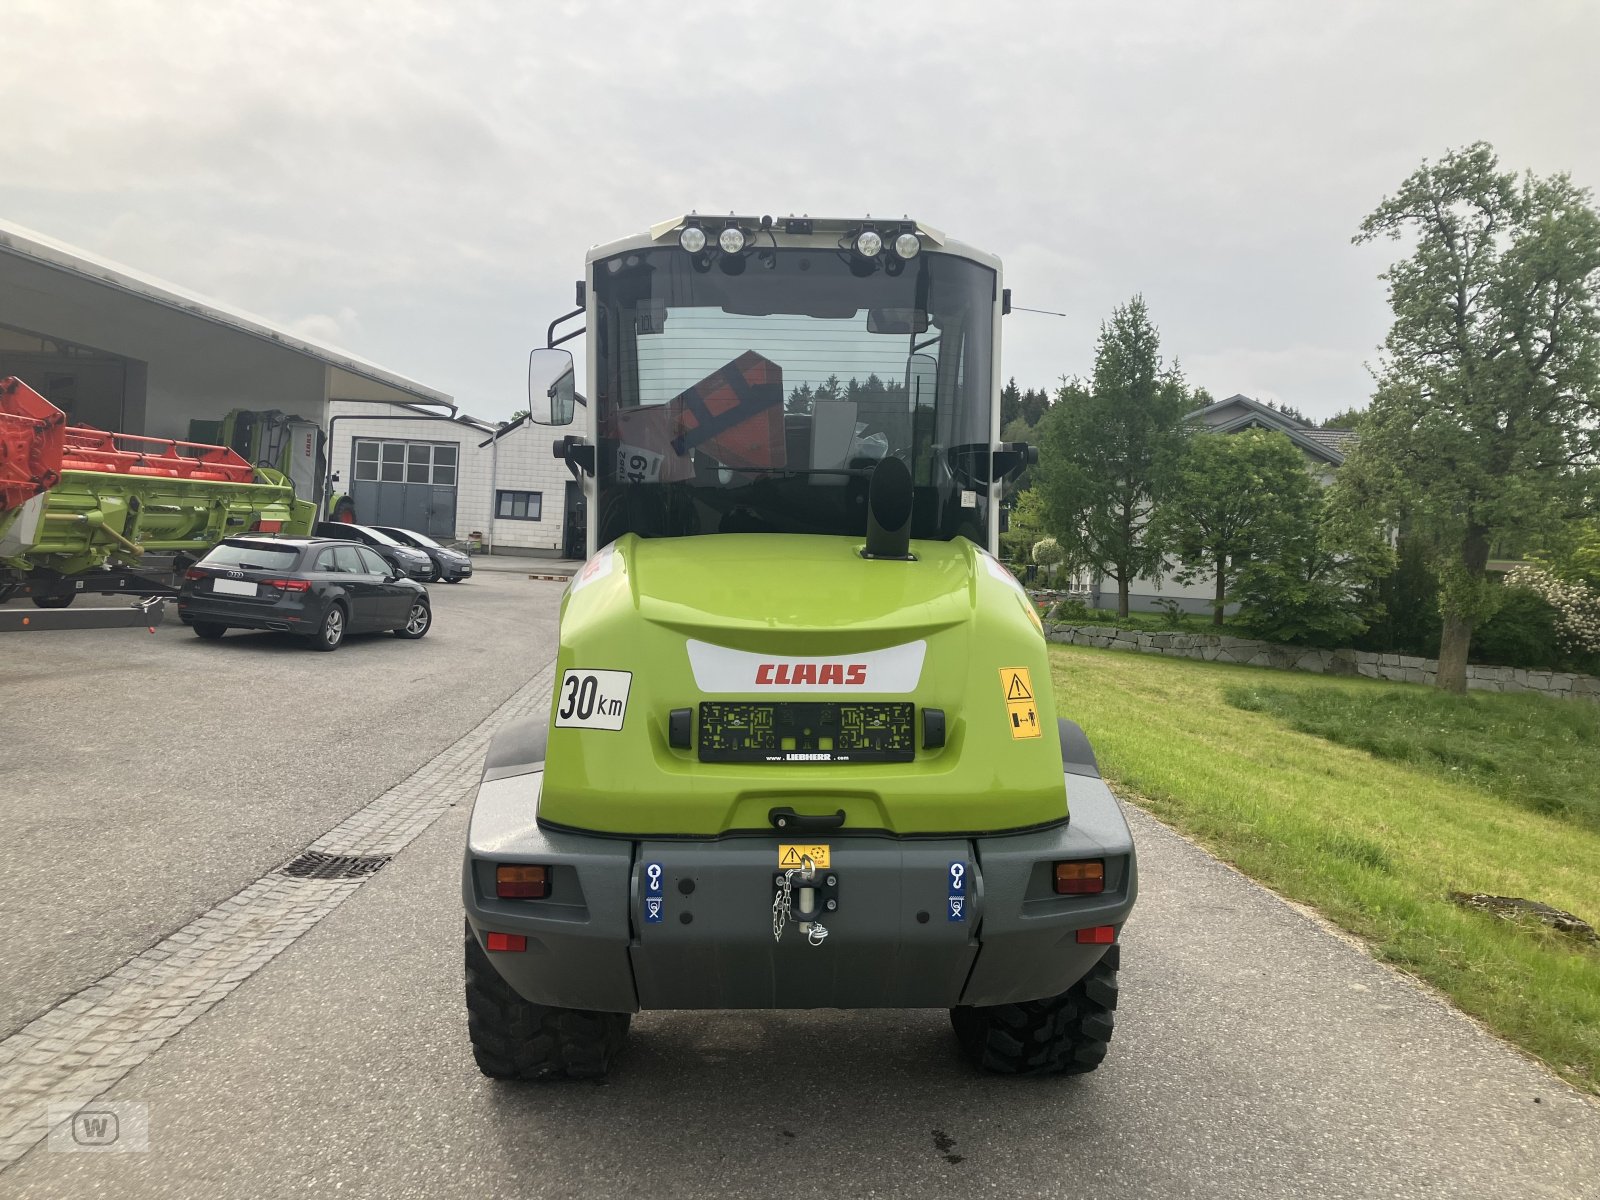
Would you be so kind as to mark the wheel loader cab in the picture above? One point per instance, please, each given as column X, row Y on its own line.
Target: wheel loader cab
column 795, row 692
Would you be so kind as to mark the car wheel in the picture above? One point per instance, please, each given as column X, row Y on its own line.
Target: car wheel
column 455, row 579
column 61, row 600
column 331, row 635
column 418, row 621
column 436, row 574
column 211, row 632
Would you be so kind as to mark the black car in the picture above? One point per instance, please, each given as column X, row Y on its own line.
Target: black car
column 403, row 558
column 313, row 587
column 451, row 566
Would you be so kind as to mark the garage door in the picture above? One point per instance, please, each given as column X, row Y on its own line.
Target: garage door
column 408, row 484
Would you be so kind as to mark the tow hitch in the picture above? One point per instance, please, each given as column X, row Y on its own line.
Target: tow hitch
column 817, row 894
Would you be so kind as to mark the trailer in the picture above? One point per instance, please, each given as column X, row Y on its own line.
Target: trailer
column 86, row 511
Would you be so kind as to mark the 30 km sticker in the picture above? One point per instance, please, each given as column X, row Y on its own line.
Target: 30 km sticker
column 1022, row 712
column 593, row 699
column 795, row 856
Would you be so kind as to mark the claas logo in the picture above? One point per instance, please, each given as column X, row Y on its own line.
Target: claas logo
column 787, row 674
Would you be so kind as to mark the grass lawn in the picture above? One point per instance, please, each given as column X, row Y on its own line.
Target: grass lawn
column 1377, row 843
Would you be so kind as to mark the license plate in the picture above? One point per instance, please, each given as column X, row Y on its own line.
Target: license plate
column 233, row 587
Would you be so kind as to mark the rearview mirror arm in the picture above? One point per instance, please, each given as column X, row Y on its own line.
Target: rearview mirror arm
column 551, row 341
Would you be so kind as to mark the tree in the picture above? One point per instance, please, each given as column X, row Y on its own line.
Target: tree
column 1316, row 589
column 1010, row 402
column 1025, row 525
column 1105, row 447
column 1047, row 553
column 1235, row 498
column 1349, row 418
column 1483, row 424
column 518, row 415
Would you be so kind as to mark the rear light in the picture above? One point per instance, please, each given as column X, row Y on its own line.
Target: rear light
column 1100, row 935
column 195, row 573
column 1081, row 878
column 290, row 585
column 517, row 882
column 506, row 941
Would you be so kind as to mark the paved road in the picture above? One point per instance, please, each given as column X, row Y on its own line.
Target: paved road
column 1256, row 1055
column 145, row 778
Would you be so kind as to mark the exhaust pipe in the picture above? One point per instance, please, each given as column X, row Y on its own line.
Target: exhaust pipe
column 889, row 512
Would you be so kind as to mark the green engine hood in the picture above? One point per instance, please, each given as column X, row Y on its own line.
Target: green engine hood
column 767, row 617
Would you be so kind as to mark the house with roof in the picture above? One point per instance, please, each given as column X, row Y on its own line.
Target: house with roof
column 1324, row 451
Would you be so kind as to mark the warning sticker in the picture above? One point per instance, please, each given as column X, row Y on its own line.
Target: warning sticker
column 1021, row 708
column 1024, row 719
column 795, row 856
column 1017, row 682
column 655, row 900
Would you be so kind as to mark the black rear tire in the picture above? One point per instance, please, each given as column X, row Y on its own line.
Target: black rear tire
column 515, row 1039
column 59, row 600
column 330, row 635
column 419, row 619
column 1059, row 1035
column 209, row 631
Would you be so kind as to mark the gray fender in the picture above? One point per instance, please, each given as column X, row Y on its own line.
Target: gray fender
column 517, row 748
column 1077, row 756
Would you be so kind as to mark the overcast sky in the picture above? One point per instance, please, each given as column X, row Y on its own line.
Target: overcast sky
column 418, row 182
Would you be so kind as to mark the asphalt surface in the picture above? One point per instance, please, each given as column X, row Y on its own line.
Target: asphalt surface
column 1256, row 1055
column 144, row 778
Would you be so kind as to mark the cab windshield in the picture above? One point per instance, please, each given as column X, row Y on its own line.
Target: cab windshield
column 757, row 393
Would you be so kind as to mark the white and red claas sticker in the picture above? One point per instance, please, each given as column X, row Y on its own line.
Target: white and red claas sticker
column 719, row 670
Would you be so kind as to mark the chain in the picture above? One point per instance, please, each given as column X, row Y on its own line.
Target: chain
column 783, row 902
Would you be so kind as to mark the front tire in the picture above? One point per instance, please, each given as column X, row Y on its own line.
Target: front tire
column 418, row 621
column 1059, row 1035
column 513, row 1038
column 331, row 634
column 209, row 631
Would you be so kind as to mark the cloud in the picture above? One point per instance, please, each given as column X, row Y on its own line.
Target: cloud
column 441, row 169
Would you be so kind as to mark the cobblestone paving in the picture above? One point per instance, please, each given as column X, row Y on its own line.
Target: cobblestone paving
column 87, row 1043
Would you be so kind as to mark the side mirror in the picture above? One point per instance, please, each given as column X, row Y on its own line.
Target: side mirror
column 552, row 387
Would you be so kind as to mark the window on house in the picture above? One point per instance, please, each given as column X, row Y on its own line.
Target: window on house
column 518, row 506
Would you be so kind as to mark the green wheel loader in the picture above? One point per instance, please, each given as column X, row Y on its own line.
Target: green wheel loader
column 802, row 749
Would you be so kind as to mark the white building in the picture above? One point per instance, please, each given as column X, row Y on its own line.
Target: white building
column 458, row 478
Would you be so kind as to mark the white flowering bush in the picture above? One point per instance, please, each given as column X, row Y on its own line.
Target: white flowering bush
column 1576, row 605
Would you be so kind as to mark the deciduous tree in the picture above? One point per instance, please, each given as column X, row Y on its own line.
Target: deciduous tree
column 1234, row 499
column 1483, row 424
column 1105, row 446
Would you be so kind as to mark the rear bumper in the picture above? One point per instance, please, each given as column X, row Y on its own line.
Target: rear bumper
column 280, row 618
column 892, row 940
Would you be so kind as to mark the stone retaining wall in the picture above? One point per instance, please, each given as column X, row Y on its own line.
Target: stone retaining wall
column 1400, row 668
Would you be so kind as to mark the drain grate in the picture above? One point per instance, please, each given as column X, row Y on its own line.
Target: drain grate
column 314, row 864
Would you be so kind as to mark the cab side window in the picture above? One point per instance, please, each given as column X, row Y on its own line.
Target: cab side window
column 371, row 564
column 324, row 561
column 348, row 560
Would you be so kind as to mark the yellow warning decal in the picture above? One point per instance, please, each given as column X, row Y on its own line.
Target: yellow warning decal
column 1017, row 682
column 1024, row 719
column 1021, row 710
column 795, row 856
